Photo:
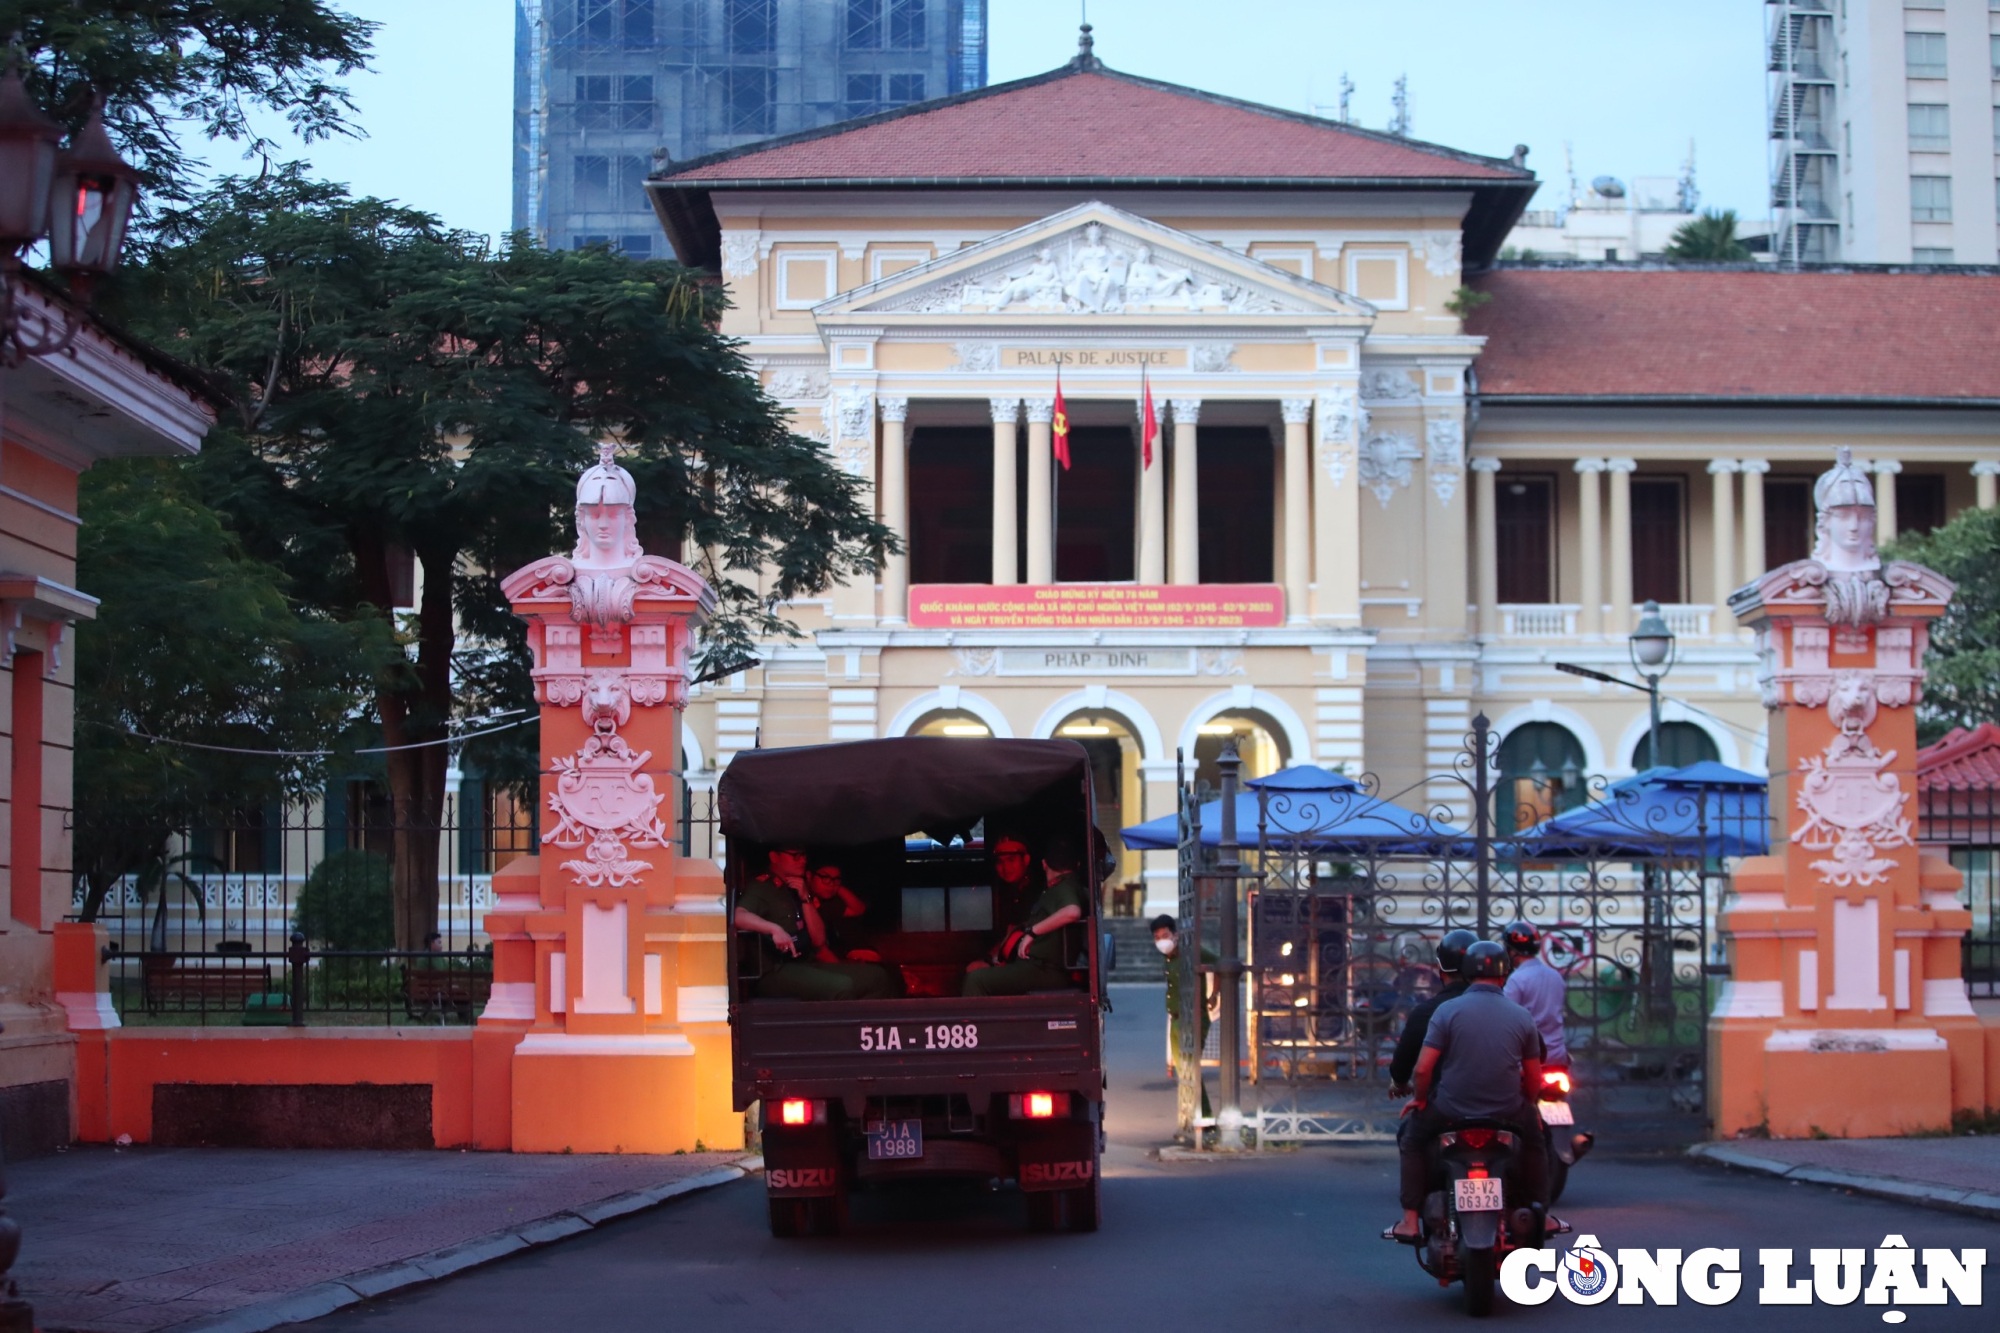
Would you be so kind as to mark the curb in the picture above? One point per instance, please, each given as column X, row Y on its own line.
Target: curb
column 325, row 1297
column 1944, row 1198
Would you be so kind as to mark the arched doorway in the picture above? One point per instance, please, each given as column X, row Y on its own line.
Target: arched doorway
column 1118, row 785
column 1260, row 740
column 1541, row 774
column 949, row 722
column 1681, row 744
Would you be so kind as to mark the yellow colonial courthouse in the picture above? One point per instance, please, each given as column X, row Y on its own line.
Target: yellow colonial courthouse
column 1393, row 484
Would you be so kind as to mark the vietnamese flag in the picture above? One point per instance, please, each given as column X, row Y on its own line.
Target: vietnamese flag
column 1149, row 425
column 1061, row 430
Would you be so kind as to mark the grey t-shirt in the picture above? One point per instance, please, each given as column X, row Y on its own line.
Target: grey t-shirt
column 1481, row 1039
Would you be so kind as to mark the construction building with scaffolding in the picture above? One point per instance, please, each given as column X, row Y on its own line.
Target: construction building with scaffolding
column 607, row 91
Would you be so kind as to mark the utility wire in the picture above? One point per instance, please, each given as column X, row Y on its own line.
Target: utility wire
column 320, row 754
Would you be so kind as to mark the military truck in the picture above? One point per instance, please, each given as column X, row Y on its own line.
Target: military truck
column 923, row 1081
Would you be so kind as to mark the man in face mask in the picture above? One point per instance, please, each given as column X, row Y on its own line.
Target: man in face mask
column 1166, row 938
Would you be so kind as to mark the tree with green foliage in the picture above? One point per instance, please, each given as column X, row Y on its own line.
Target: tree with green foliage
column 406, row 394
column 348, row 902
column 167, row 68
column 1710, row 238
column 194, row 641
column 1963, row 688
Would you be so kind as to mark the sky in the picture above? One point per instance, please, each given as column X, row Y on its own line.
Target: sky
column 1626, row 85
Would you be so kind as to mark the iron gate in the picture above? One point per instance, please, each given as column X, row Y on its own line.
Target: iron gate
column 1344, row 893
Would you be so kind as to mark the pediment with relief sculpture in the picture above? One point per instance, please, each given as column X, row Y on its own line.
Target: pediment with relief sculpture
column 1095, row 260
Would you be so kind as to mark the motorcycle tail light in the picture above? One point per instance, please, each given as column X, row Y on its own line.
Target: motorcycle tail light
column 1476, row 1138
column 1557, row 1079
column 1476, row 1173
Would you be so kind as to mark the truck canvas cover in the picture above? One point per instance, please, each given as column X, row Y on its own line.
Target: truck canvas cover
column 863, row 792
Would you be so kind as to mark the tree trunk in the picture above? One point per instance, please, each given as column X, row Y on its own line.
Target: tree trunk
column 414, row 709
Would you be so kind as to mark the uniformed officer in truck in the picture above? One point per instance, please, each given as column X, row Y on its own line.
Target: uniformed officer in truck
column 1030, row 956
column 778, row 917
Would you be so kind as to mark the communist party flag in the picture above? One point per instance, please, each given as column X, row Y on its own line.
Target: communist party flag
column 1149, row 425
column 1061, row 431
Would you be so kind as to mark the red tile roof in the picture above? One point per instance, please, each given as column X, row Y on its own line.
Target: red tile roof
column 1722, row 333
column 1096, row 125
column 1963, row 759
column 1085, row 127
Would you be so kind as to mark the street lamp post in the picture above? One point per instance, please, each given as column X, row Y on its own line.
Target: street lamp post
column 77, row 198
column 1654, row 650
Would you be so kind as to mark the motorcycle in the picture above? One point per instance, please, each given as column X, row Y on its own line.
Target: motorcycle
column 1567, row 1144
column 1467, row 1227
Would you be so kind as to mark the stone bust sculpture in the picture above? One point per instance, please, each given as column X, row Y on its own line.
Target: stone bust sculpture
column 1845, row 527
column 606, row 525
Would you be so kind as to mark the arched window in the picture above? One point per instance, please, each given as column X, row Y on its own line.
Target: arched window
column 1681, row 744
column 1541, row 774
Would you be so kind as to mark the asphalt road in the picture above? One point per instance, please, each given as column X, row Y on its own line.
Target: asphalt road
column 1286, row 1242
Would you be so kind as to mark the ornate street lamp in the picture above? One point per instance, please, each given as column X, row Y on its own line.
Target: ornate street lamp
column 1653, row 648
column 79, row 198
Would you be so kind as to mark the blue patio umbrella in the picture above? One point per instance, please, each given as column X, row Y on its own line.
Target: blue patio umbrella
column 1311, row 809
column 1706, row 810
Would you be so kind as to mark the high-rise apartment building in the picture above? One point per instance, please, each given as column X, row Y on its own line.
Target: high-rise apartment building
column 604, row 87
column 1884, row 130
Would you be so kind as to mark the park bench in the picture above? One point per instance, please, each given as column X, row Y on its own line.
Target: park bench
column 176, row 984
column 432, row 991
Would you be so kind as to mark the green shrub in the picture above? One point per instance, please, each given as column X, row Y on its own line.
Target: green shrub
column 349, row 902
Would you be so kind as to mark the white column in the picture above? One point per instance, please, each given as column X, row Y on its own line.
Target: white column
column 1983, row 474
column 1185, row 549
column 1006, row 412
column 896, row 508
column 1486, row 543
column 1754, row 470
column 1885, row 500
column 1621, row 470
column 1722, row 473
column 1297, row 413
column 1041, row 493
column 1590, row 547
column 1152, row 499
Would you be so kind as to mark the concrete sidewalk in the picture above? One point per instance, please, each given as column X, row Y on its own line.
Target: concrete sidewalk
column 141, row 1239
column 1960, row 1175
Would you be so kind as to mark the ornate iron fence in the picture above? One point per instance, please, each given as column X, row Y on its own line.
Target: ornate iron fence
column 286, row 916
column 1962, row 824
column 1346, row 891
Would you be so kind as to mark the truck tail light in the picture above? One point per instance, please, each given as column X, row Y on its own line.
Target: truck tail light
column 795, row 1111
column 1038, row 1105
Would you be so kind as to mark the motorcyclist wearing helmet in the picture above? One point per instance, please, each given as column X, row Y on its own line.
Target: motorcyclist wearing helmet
column 1539, row 989
column 1450, row 953
column 1481, row 1061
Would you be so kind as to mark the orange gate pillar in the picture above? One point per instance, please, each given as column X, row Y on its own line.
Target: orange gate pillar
column 608, row 969
column 1845, row 1013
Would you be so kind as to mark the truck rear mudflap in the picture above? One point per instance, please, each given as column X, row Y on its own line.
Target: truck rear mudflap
column 972, row 1047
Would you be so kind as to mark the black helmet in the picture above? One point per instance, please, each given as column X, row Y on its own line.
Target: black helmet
column 1522, row 938
column 1451, row 950
column 1484, row 960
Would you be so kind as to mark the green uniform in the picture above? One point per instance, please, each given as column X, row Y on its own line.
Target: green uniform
column 1044, row 968
column 788, row 978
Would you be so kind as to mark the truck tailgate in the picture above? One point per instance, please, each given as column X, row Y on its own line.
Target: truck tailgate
column 914, row 1047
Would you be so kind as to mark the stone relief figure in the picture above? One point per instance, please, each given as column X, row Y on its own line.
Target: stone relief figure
column 1039, row 284
column 1151, row 284
column 1097, row 274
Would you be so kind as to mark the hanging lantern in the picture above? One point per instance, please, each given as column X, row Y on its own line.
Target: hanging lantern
column 91, row 201
column 28, row 142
